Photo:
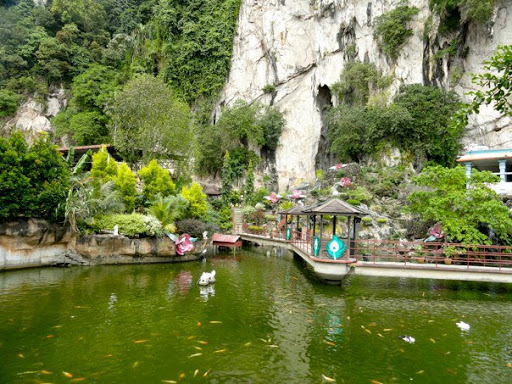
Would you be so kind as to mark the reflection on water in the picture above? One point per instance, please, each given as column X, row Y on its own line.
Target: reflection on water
column 265, row 320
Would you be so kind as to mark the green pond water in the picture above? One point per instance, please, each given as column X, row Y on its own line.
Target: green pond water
column 265, row 320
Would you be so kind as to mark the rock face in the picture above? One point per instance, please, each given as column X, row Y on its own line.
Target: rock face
column 301, row 47
column 33, row 117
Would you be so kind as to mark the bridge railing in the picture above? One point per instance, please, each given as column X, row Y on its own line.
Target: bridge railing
column 432, row 254
column 418, row 252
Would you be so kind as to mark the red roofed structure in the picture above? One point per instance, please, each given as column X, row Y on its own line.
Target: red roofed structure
column 230, row 241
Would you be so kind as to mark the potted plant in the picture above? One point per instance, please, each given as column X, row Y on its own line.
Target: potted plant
column 449, row 253
column 419, row 255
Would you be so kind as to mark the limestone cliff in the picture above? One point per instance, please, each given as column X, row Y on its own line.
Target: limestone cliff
column 301, row 46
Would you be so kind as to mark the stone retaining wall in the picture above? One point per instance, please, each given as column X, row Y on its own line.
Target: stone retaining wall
column 36, row 243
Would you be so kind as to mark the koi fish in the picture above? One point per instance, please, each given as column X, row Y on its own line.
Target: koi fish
column 219, row 351
column 135, row 365
column 375, row 382
column 21, row 355
column 195, row 355
column 78, row 379
column 190, row 337
column 273, row 346
column 372, row 324
column 207, row 372
column 432, row 340
column 420, row 372
column 182, row 375
column 140, row 341
column 169, row 381
column 247, row 344
column 67, row 374
column 49, row 336
column 380, row 335
column 198, row 348
column 388, row 329
column 215, row 322
column 196, row 372
column 45, row 372
column 202, row 342
column 328, row 379
column 367, row 330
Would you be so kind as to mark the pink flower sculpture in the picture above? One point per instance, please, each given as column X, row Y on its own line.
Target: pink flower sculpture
column 273, row 198
column 345, row 182
column 296, row 195
column 338, row 166
column 184, row 244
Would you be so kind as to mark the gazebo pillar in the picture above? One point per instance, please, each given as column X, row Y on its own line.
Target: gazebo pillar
column 334, row 226
column 503, row 169
column 349, row 246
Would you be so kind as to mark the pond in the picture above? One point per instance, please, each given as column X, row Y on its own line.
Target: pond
column 265, row 320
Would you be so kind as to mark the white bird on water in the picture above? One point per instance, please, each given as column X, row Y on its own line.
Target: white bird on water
column 463, row 326
column 408, row 339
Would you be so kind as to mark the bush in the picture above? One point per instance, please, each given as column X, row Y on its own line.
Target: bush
column 382, row 220
column 197, row 199
column 367, row 220
column 360, row 193
column 391, row 28
column 129, row 224
column 8, row 102
column 353, row 202
column 194, row 227
column 157, row 180
column 34, row 180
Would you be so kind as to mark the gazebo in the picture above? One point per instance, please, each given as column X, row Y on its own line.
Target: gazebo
column 336, row 247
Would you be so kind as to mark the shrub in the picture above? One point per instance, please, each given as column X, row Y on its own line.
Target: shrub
column 197, row 199
column 126, row 183
column 194, row 227
column 34, row 180
column 367, row 220
column 157, row 180
column 391, row 28
column 359, row 193
column 128, row 224
column 382, row 220
column 255, row 229
column 353, row 202
column 167, row 209
column 8, row 102
column 269, row 88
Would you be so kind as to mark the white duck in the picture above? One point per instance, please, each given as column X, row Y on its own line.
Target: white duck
column 207, row 278
column 408, row 339
column 463, row 326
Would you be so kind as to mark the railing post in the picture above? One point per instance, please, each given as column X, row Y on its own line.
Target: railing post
column 437, row 247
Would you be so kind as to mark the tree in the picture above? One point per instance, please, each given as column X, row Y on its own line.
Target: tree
column 497, row 81
column 157, row 181
column 126, row 183
column 149, row 122
column 8, row 102
column 249, row 182
column 227, row 177
column 104, row 167
column 197, row 199
column 33, row 180
column 463, row 206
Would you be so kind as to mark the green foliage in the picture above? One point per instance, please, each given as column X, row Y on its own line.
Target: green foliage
column 168, row 209
column 149, row 122
column 391, row 29
column 272, row 123
column 197, row 199
column 125, row 182
column 249, row 182
column 418, row 120
column 463, row 209
column 497, row 82
column 33, row 180
column 129, row 224
column 194, row 227
column 382, row 220
column 453, row 12
column 269, row 89
column 258, row 196
column 227, row 176
column 286, row 205
column 157, row 180
column 353, row 202
column 239, row 124
column 357, row 81
column 198, row 37
column 104, row 167
column 359, row 193
column 85, row 128
column 8, row 102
